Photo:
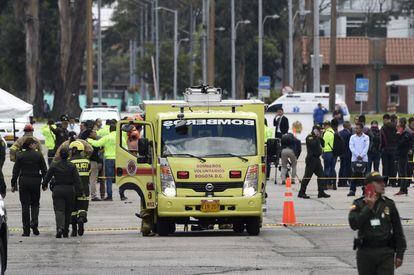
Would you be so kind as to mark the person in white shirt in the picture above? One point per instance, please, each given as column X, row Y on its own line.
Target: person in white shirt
column 359, row 145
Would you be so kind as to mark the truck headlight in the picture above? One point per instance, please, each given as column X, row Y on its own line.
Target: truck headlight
column 167, row 182
column 251, row 181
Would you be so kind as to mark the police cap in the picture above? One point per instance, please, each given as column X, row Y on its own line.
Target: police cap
column 375, row 177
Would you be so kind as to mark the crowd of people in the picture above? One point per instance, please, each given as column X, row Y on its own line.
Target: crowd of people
column 81, row 159
column 359, row 148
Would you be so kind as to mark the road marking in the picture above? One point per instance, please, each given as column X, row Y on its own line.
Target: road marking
column 181, row 227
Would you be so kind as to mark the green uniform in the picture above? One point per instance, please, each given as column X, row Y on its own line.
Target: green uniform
column 79, row 213
column 380, row 236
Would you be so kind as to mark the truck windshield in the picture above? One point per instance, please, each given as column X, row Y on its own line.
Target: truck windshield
column 209, row 137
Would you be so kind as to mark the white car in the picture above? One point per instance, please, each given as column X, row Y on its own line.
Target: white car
column 6, row 129
column 103, row 113
column 299, row 107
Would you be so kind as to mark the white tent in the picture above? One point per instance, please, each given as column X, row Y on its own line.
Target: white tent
column 409, row 83
column 13, row 107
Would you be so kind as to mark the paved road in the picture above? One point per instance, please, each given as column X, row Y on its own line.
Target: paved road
column 113, row 245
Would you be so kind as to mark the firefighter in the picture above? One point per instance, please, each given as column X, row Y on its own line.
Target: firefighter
column 66, row 182
column 313, row 163
column 17, row 146
column 80, row 211
column 29, row 168
column 88, row 149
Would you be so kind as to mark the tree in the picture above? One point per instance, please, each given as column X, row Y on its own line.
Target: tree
column 72, row 45
column 31, row 14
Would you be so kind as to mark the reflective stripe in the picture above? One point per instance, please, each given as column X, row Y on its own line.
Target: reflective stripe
column 83, row 198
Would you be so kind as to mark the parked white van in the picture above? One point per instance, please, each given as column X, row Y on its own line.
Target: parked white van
column 298, row 108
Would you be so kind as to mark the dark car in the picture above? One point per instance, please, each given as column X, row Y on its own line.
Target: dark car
column 4, row 236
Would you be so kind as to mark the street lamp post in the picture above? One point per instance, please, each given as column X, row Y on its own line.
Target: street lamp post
column 233, row 48
column 175, row 12
column 261, row 27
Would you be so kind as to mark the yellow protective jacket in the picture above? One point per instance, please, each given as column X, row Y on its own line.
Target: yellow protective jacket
column 50, row 137
column 328, row 138
column 108, row 143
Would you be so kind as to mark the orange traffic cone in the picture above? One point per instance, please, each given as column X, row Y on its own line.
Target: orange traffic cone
column 289, row 216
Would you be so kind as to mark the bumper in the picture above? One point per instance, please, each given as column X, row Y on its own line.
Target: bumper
column 229, row 207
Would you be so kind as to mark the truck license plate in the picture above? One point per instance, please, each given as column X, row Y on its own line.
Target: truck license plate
column 210, row 206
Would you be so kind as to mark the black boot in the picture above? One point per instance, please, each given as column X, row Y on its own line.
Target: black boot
column 303, row 195
column 322, row 194
column 66, row 233
column 59, row 233
column 74, row 230
column 35, row 231
column 26, row 232
column 81, row 228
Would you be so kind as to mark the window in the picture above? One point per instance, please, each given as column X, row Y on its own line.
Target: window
column 209, row 137
column 394, row 97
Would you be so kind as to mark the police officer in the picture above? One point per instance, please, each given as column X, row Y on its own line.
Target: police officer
column 66, row 181
column 79, row 213
column 30, row 168
column 313, row 163
column 381, row 242
column 17, row 145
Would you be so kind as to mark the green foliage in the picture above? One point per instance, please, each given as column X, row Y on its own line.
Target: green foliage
column 12, row 53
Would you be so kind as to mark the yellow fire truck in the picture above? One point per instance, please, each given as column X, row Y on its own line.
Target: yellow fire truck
column 198, row 161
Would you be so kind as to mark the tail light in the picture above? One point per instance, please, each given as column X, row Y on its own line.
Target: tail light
column 235, row 174
column 183, row 175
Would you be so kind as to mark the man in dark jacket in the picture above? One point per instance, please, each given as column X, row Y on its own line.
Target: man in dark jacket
column 345, row 159
column 61, row 132
column 410, row 166
column 374, row 152
column 281, row 123
column 388, row 148
column 403, row 146
column 313, row 163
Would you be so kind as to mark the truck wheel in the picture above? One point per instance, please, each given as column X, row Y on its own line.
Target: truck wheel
column 172, row 228
column 238, row 227
column 163, row 227
column 253, row 226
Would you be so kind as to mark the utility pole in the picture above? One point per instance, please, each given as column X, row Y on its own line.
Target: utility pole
column 290, row 8
column 89, row 54
column 191, row 36
column 316, row 50
column 211, row 43
column 204, row 55
column 175, row 53
column 99, row 54
column 157, row 48
column 332, row 58
column 233, row 51
column 260, row 50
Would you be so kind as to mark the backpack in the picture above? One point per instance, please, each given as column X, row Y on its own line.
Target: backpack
column 338, row 146
column 297, row 147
